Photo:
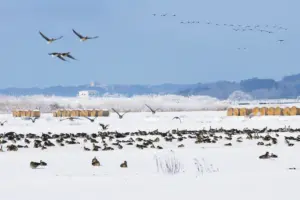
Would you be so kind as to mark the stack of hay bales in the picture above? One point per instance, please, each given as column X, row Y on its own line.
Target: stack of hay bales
column 263, row 111
column 81, row 113
column 278, row 111
column 236, row 112
column 75, row 113
column 294, row 111
column 105, row 113
column 271, row 111
column 286, row 111
column 26, row 113
column 245, row 111
column 230, row 112
column 255, row 111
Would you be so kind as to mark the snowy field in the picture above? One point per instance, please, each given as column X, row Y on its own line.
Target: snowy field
column 225, row 172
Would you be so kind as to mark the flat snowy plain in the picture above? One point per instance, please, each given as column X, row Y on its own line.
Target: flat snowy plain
column 233, row 173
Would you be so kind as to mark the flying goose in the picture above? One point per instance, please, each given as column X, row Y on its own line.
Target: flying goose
column 104, row 127
column 120, row 116
column 68, row 54
column 153, row 111
column 33, row 119
column 83, row 38
column 2, row 123
column 49, row 40
column 58, row 55
column 177, row 118
column 91, row 120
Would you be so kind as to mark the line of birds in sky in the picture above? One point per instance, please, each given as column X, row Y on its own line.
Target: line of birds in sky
column 62, row 55
column 270, row 29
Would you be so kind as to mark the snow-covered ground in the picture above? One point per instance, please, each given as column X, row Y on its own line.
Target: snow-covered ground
column 233, row 172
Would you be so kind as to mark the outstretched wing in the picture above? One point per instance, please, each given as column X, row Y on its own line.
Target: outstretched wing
column 60, row 57
column 116, row 111
column 69, row 56
column 149, row 108
column 59, row 38
column 45, row 37
column 80, row 36
column 125, row 112
column 92, row 37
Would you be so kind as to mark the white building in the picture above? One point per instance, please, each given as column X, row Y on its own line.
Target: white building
column 88, row 93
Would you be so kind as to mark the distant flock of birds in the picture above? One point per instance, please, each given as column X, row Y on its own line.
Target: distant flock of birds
column 63, row 55
column 270, row 29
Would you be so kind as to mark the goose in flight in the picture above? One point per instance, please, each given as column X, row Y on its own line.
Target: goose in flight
column 2, row 123
column 33, row 119
column 84, row 38
column 91, row 119
column 177, row 118
column 49, row 40
column 153, row 111
column 68, row 54
column 120, row 116
column 58, row 55
column 104, row 127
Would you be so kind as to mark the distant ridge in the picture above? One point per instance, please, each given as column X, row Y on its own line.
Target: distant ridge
column 288, row 87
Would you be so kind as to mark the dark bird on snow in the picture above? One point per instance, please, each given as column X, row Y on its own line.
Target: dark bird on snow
column 120, row 116
column 84, row 38
column 2, row 123
column 91, row 119
column 58, row 55
column 153, row 111
column 49, row 40
column 124, row 164
column 34, row 165
column 280, row 41
column 177, row 118
column 104, row 127
column 95, row 162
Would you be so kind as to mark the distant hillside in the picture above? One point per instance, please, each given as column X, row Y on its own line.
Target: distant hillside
column 256, row 88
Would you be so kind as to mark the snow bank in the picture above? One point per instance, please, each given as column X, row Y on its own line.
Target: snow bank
column 134, row 104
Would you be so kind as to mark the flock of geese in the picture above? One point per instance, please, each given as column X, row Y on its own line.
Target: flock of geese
column 268, row 29
column 63, row 55
column 108, row 141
